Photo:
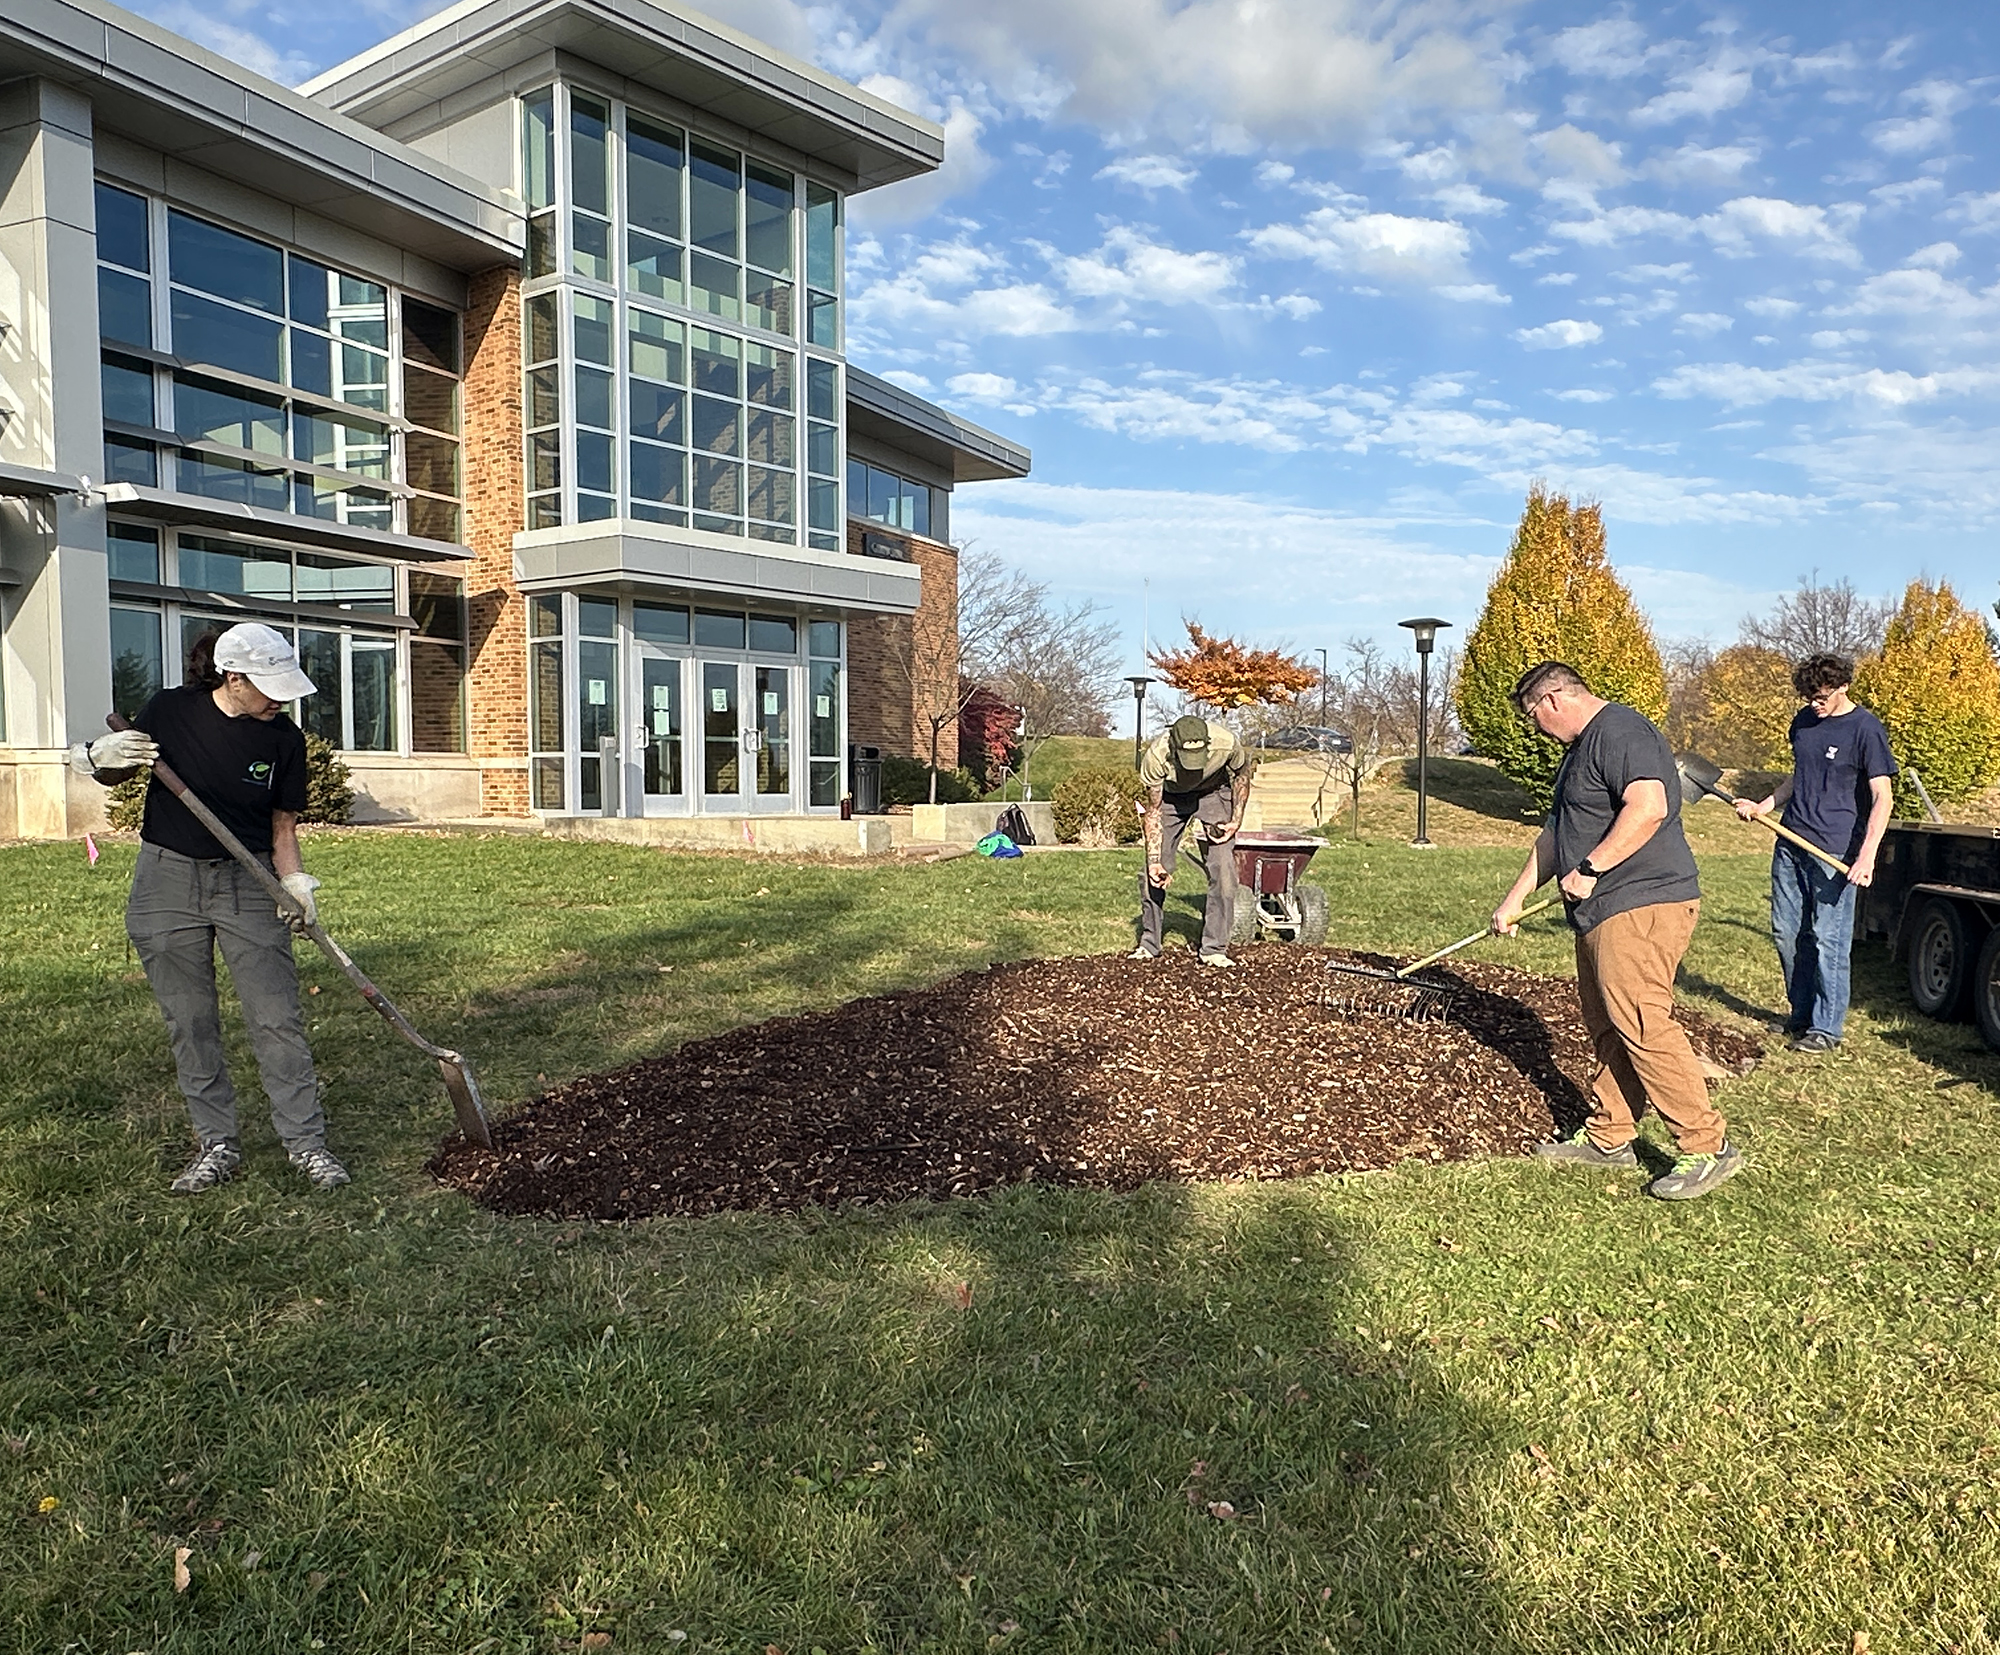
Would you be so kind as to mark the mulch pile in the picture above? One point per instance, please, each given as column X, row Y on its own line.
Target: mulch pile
column 1087, row 1071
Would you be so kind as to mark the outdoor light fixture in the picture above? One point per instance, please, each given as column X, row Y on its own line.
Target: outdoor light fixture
column 1139, row 682
column 1425, row 630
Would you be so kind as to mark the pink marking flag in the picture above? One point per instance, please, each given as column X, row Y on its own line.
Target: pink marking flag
column 90, row 845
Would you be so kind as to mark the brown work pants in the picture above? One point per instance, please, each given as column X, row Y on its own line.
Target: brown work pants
column 1625, row 969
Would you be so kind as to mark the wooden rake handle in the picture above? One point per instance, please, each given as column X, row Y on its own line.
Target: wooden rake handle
column 1467, row 942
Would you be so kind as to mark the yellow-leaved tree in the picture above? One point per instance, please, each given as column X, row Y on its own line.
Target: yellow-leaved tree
column 1555, row 598
column 1936, row 687
column 1743, row 703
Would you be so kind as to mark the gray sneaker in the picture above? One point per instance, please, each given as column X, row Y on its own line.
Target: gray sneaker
column 1219, row 960
column 1695, row 1175
column 1578, row 1151
column 321, row 1167
column 216, row 1164
column 1142, row 952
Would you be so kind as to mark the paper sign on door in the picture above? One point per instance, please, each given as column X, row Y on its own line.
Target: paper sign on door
column 718, row 701
column 663, row 722
column 770, row 703
column 663, row 695
column 823, row 707
column 597, row 692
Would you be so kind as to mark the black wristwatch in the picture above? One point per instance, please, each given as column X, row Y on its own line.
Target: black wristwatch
column 1587, row 870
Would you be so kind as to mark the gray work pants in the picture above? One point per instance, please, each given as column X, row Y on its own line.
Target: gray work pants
column 179, row 910
column 1218, row 914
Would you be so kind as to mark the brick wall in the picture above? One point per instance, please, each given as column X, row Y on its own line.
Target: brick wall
column 496, row 616
column 897, row 665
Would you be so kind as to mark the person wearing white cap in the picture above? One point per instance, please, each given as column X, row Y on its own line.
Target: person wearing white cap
column 226, row 732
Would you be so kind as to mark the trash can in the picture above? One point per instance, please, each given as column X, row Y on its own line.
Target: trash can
column 864, row 772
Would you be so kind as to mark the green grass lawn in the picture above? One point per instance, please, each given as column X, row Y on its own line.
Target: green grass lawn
column 1485, row 1407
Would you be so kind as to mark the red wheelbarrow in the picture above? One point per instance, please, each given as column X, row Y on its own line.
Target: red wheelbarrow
column 1270, row 900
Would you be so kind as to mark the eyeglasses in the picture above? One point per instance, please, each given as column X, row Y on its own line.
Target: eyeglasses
column 1528, row 707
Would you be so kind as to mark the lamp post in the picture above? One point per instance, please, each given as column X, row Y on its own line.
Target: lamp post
column 1322, row 693
column 1425, row 629
column 1140, row 683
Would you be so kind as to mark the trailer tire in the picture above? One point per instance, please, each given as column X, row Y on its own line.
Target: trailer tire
column 1986, row 990
column 1942, row 958
column 1313, row 915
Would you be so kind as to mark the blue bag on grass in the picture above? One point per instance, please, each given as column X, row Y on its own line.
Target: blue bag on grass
column 998, row 846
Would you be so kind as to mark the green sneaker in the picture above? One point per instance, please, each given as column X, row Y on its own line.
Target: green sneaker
column 1578, row 1151
column 1696, row 1175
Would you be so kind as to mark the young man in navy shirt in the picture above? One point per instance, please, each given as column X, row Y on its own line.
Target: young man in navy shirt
column 1839, row 796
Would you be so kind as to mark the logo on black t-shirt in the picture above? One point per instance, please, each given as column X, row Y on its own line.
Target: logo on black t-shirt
column 259, row 773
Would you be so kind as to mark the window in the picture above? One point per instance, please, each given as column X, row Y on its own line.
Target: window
column 823, row 455
column 313, row 435
column 596, row 398
column 883, row 497
column 590, row 188
column 542, row 408
column 597, row 695
column 437, row 663
column 138, row 663
column 538, row 180
column 545, row 703
column 654, row 160
column 135, row 553
column 823, row 713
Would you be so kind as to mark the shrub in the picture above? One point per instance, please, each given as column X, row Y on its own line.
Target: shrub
column 1554, row 599
column 329, row 790
column 908, row 782
column 1936, row 687
column 1098, row 806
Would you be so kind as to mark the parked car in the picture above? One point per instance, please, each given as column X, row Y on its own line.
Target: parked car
column 1311, row 738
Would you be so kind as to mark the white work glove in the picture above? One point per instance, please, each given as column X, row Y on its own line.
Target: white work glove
column 121, row 750
column 300, row 887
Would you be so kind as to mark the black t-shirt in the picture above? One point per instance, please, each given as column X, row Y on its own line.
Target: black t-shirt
column 1618, row 747
column 241, row 768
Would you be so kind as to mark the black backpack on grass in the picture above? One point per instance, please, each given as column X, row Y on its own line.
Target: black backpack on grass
column 1014, row 823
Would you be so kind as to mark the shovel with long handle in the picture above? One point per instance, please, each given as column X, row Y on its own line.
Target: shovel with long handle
column 1708, row 778
column 457, row 1072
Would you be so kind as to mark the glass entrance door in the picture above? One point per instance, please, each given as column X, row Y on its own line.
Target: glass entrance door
column 722, row 737
column 772, row 722
column 662, row 768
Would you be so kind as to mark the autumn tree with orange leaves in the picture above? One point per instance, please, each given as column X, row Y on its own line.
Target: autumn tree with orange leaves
column 1223, row 674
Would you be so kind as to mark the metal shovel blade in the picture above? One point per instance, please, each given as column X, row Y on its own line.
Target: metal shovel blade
column 1698, row 776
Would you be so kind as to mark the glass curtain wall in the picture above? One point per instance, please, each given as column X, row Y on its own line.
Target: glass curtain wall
column 683, row 329
column 239, row 370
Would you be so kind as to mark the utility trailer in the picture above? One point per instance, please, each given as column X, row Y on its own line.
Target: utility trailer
column 1936, row 898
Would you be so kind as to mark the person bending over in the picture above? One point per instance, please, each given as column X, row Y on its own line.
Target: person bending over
column 1198, row 774
column 226, row 733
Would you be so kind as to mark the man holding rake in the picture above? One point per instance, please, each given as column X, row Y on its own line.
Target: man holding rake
column 1630, row 890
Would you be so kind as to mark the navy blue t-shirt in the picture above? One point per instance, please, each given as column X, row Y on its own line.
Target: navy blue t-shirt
column 1833, row 760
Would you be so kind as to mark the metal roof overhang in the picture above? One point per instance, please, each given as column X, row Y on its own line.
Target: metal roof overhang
column 968, row 453
column 169, row 94
column 194, row 511
column 669, row 48
column 33, row 483
column 641, row 556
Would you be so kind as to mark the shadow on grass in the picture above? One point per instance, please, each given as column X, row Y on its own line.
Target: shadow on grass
column 1880, row 986
column 1479, row 788
column 1090, row 1422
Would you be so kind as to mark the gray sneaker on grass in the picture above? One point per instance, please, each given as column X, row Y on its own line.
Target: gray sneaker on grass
column 215, row 1164
column 1695, row 1175
column 321, row 1167
column 1578, row 1151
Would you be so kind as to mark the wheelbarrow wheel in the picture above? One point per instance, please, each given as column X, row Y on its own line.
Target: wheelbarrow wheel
column 1312, row 915
column 1243, row 923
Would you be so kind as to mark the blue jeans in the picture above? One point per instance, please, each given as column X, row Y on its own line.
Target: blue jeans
column 1812, row 922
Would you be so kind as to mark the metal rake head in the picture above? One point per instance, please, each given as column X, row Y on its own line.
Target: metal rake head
column 1410, row 1002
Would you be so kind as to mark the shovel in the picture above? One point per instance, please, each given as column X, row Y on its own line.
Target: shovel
column 457, row 1073
column 1707, row 778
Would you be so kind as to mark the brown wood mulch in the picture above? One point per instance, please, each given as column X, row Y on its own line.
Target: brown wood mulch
column 1094, row 1071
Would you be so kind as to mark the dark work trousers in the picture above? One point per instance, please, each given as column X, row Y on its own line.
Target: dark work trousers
column 179, row 910
column 1218, row 915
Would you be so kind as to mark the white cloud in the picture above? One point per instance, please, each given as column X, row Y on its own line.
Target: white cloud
column 1705, row 324
column 1273, row 173
column 965, row 163
column 1705, row 91
column 1692, row 164
column 1816, row 232
column 1896, row 196
column 1613, row 47
column 1128, row 267
column 1914, row 134
column 1679, row 271
column 1977, row 212
column 909, row 381
column 1150, row 172
column 1777, row 309
column 1379, row 246
column 1473, row 293
column 951, row 289
column 1556, row 278
column 1940, row 255
column 260, row 56
column 1919, row 293
column 981, row 387
column 1946, row 469
column 1467, row 201
column 1585, row 394
column 1838, row 339
column 1607, row 229
column 1737, row 386
column 1570, row 152
column 1562, row 335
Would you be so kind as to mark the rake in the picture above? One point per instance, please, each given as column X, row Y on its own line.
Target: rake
column 1426, row 1002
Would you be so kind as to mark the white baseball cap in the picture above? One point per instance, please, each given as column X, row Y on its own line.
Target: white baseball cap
column 263, row 657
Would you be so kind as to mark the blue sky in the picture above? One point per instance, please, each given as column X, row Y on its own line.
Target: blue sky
column 1292, row 298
